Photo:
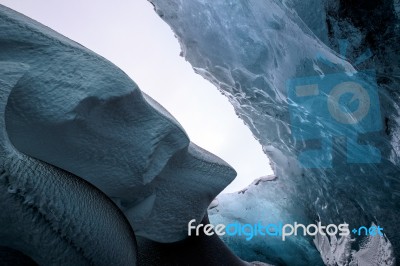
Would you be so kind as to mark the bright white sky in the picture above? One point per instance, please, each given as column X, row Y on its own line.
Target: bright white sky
column 131, row 35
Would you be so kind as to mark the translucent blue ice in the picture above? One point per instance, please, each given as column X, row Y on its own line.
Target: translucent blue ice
column 334, row 142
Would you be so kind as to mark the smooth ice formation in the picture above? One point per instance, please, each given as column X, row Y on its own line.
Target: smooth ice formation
column 75, row 110
column 317, row 84
column 253, row 205
column 51, row 216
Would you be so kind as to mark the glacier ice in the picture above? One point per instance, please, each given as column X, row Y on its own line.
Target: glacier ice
column 373, row 251
column 77, row 111
column 256, row 204
column 250, row 49
column 52, row 216
column 252, row 205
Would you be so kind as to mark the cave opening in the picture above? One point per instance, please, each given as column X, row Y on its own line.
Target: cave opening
column 133, row 36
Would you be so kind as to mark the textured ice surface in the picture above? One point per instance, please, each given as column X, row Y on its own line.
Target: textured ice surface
column 49, row 215
column 373, row 251
column 251, row 49
column 77, row 111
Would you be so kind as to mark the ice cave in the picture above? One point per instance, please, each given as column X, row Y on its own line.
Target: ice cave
column 96, row 172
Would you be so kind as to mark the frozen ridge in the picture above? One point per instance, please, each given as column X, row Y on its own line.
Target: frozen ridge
column 78, row 112
column 86, row 157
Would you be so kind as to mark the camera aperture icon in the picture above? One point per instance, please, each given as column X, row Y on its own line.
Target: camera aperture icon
column 342, row 111
column 334, row 105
